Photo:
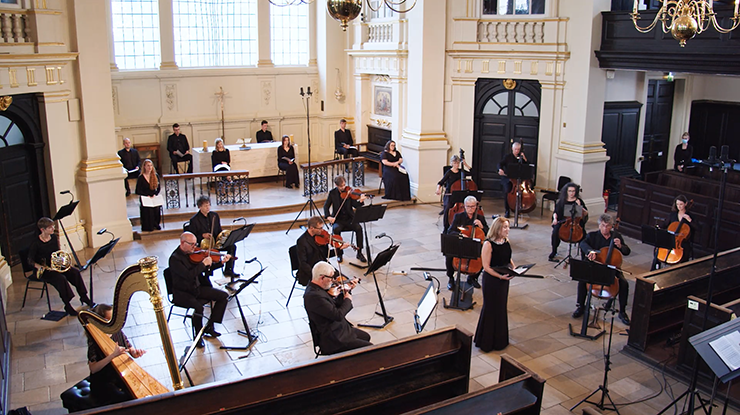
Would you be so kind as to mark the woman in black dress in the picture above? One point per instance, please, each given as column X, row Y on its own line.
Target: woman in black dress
column 396, row 181
column 148, row 185
column 220, row 157
column 452, row 175
column 569, row 197
column 679, row 213
column 682, row 155
column 286, row 162
column 493, row 325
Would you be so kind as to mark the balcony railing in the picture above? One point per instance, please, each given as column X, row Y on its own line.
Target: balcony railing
column 320, row 178
column 14, row 27
column 511, row 31
column 229, row 188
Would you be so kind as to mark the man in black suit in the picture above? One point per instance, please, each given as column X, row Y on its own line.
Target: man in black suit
column 264, row 135
column 179, row 148
column 342, row 214
column 131, row 162
column 461, row 220
column 200, row 225
column 343, row 140
column 309, row 252
column 188, row 291
column 514, row 157
column 327, row 314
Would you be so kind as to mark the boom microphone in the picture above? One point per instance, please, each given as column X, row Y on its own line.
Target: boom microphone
column 380, row 235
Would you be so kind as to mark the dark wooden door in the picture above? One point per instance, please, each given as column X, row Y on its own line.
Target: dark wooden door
column 619, row 132
column 658, row 114
column 503, row 116
column 714, row 123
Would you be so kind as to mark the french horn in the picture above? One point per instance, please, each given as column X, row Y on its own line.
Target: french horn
column 220, row 240
column 61, row 262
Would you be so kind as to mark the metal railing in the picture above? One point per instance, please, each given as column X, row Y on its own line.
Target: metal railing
column 229, row 188
column 320, row 178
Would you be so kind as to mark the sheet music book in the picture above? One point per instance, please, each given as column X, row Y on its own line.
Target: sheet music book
column 288, row 160
column 152, row 201
column 727, row 348
column 402, row 170
column 519, row 271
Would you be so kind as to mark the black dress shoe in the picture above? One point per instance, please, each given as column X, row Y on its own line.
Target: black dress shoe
column 451, row 284
column 128, row 194
column 157, row 227
column 623, row 316
column 507, row 215
column 70, row 310
column 211, row 332
column 579, row 311
column 361, row 257
column 551, row 258
column 474, row 282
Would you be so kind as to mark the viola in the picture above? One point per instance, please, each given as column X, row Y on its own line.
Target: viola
column 342, row 284
column 682, row 230
column 608, row 256
column 461, row 184
column 200, row 254
column 336, row 241
column 470, row 266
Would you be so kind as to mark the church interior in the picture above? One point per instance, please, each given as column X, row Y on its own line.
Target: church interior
column 586, row 96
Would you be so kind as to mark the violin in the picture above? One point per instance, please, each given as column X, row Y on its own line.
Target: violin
column 461, row 184
column 470, row 266
column 608, row 256
column 336, row 241
column 200, row 254
column 682, row 230
column 342, row 284
column 354, row 194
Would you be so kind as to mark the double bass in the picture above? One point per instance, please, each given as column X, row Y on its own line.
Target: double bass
column 461, row 184
column 521, row 196
column 682, row 230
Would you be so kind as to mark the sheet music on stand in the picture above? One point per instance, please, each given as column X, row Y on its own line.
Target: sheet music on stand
column 727, row 348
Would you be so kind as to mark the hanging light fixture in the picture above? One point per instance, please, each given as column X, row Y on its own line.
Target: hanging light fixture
column 344, row 11
column 684, row 19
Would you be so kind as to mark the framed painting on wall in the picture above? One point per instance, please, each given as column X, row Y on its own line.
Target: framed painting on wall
column 383, row 101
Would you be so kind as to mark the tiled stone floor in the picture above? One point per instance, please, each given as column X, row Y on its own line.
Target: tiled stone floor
column 48, row 357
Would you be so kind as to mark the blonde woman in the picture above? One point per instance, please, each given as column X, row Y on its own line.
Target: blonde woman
column 493, row 326
column 220, row 157
column 148, row 185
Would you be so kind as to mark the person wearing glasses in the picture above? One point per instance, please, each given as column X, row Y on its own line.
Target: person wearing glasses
column 188, row 291
column 328, row 314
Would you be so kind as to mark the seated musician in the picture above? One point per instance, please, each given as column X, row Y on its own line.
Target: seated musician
column 516, row 155
column 342, row 214
column 309, row 251
column 450, row 177
column 590, row 247
column 220, row 157
column 286, row 162
column 679, row 213
column 206, row 225
column 343, row 140
column 106, row 384
column 39, row 256
column 188, row 290
column 328, row 314
column 264, row 135
column 468, row 218
column 566, row 205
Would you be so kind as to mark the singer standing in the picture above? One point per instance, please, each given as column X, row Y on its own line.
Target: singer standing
column 514, row 157
column 682, row 155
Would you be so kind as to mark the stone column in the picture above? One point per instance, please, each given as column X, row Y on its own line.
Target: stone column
column 312, row 23
column 167, row 35
column 424, row 142
column 100, row 175
column 111, row 44
column 264, row 49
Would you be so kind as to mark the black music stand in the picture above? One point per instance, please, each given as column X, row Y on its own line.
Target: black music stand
column 100, row 254
column 591, row 273
column 363, row 215
column 235, row 287
column 188, row 353
column 458, row 246
column 713, row 360
column 62, row 213
column 519, row 171
column 659, row 238
column 237, row 235
column 383, row 258
column 458, row 196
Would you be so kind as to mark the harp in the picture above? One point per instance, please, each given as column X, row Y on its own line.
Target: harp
column 139, row 277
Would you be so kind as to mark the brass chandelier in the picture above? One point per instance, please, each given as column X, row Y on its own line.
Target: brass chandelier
column 686, row 18
column 345, row 11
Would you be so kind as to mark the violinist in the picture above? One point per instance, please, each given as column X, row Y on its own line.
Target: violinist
column 565, row 206
column 339, row 210
column 451, row 176
column 468, row 218
column 683, row 154
column 309, row 251
column 590, row 246
column 206, row 225
column 188, row 290
column 516, row 156
column 328, row 314
column 678, row 214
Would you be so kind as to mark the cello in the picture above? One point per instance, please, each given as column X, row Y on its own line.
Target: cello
column 682, row 230
column 470, row 266
column 608, row 256
column 461, row 185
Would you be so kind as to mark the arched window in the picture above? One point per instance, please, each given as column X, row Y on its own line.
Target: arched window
column 289, row 34
column 524, row 106
column 498, row 104
column 10, row 134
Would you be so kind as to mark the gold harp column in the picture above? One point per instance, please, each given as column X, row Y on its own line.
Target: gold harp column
column 149, row 268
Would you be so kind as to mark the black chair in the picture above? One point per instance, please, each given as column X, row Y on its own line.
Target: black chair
column 168, row 282
column 31, row 275
column 294, row 265
column 175, row 170
column 281, row 176
column 553, row 196
column 314, row 338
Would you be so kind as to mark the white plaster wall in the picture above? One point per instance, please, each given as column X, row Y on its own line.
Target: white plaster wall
column 626, row 86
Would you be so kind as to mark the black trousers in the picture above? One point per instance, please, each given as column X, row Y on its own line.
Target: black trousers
column 176, row 159
column 347, row 152
column 62, row 281
column 506, row 187
column 624, row 292
column 362, row 339
column 555, row 238
column 340, row 227
column 133, row 175
column 220, row 299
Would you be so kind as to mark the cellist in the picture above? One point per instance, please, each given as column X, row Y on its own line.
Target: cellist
column 569, row 196
column 679, row 213
column 468, row 218
column 506, row 185
column 590, row 246
column 451, row 177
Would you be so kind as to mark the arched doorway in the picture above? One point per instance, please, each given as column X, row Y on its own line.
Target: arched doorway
column 505, row 111
column 23, row 198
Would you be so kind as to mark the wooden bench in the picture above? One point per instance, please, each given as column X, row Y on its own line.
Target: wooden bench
column 389, row 378
column 519, row 392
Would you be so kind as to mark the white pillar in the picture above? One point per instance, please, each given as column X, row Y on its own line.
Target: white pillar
column 111, row 44
column 167, row 35
column 264, row 51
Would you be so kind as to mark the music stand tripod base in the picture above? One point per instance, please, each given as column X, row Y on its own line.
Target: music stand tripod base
column 386, row 321
column 466, row 302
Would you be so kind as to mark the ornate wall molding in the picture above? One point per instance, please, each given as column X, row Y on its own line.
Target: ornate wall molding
column 170, row 94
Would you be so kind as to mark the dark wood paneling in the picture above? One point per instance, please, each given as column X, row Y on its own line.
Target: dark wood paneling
column 658, row 113
column 714, row 123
